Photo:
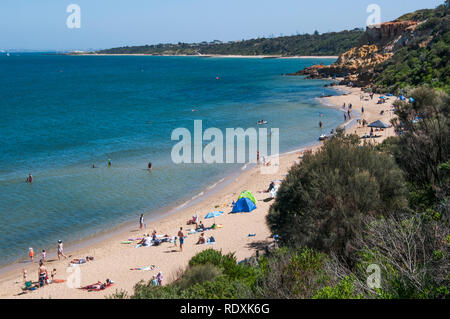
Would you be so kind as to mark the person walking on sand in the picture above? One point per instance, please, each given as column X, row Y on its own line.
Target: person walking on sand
column 60, row 250
column 43, row 254
column 31, row 254
column 181, row 236
column 141, row 221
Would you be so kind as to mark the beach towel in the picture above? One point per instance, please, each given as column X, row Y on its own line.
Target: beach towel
column 145, row 268
column 58, row 281
column 126, row 242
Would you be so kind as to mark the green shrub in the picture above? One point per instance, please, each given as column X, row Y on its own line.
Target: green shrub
column 345, row 289
column 323, row 199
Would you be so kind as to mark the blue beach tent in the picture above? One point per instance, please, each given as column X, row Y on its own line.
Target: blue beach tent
column 244, row 205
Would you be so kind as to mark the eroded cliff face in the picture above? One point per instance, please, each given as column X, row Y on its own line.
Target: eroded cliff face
column 377, row 45
column 390, row 35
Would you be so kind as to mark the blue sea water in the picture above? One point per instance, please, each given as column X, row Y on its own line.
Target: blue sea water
column 60, row 114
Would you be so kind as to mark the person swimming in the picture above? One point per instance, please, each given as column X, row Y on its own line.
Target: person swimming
column 29, row 178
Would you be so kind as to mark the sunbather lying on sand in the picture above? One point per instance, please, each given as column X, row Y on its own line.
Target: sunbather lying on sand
column 82, row 260
column 99, row 285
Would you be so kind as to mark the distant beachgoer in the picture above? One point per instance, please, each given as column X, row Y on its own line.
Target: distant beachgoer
column 159, row 277
column 201, row 226
column 93, row 165
column 43, row 254
column 25, row 275
column 53, row 273
column 149, row 166
column 345, row 117
column 181, row 236
column 154, row 281
column 109, row 163
column 271, row 187
column 31, row 254
column 201, row 239
column 30, row 178
column 320, row 124
column 141, row 221
column 42, row 274
column 362, row 109
column 60, row 250
column 257, row 157
column 343, row 106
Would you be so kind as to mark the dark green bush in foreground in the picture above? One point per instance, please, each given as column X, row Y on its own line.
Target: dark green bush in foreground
column 323, row 200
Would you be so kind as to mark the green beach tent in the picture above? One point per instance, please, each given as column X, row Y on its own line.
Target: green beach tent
column 247, row 194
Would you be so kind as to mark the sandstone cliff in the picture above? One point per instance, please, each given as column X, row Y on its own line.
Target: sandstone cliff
column 378, row 44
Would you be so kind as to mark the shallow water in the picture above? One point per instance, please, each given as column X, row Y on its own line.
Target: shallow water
column 61, row 114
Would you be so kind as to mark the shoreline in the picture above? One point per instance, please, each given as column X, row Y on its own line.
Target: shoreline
column 209, row 55
column 113, row 259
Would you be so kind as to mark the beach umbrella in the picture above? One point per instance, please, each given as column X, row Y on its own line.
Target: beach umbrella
column 213, row 215
column 378, row 124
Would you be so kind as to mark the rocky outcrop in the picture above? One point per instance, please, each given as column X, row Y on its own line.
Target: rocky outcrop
column 377, row 45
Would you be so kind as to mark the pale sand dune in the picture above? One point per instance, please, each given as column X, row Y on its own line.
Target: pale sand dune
column 113, row 260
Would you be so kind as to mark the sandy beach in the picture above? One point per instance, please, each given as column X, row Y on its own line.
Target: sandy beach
column 113, row 259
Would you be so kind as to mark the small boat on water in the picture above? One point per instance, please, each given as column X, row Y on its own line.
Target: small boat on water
column 262, row 122
column 322, row 137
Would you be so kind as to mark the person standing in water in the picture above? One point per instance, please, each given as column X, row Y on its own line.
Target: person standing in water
column 141, row 221
column 31, row 254
column 149, row 166
column 30, row 178
column 320, row 124
column 109, row 163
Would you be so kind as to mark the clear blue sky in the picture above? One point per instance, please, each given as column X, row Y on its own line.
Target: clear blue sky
column 41, row 24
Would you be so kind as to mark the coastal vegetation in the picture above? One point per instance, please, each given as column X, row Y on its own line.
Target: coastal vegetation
column 407, row 52
column 425, row 60
column 325, row 44
column 356, row 221
column 343, row 213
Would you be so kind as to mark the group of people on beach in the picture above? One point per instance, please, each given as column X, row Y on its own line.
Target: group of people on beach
column 347, row 114
column 43, row 276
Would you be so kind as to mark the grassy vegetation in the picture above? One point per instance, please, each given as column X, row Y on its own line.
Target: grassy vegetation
column 332, row 43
